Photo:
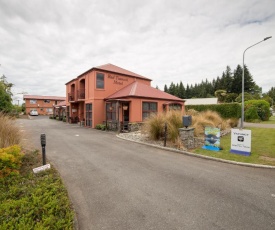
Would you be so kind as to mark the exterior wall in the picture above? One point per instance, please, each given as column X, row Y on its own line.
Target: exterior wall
column 41, row 106
column 113, row 82
column 136, row 108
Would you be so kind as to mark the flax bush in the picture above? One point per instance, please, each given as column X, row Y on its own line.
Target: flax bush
column 9, row 132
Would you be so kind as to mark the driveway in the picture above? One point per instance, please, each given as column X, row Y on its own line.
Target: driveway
column 114, row 184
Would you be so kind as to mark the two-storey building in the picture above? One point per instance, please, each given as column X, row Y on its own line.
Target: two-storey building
column 109, row 93
column 42, row 104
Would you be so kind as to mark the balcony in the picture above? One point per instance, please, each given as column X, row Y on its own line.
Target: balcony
column 81, row 94
column 71, row 96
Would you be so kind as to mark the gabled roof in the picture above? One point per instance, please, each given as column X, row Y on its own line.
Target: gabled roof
column 115, row 69
column 55, row 98
column 112, row 69
column 137, row 89
column 60, row 104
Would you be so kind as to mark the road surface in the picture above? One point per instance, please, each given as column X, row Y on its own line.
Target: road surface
column 114, row 184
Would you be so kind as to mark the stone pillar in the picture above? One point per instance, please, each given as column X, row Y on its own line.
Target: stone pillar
column 187, row 137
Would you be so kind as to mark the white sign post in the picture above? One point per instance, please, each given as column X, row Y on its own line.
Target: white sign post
column 41, row 168
column 241, row 141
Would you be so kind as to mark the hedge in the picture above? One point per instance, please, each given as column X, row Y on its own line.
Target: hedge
column 226, row 110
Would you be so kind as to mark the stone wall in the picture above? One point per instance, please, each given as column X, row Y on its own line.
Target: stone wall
column 188, row 139
column 133, row 127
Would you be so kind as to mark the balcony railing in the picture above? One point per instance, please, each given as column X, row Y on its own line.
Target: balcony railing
column 71, row 96
column 81, row 94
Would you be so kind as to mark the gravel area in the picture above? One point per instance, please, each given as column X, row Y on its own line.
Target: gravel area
column 138, row 136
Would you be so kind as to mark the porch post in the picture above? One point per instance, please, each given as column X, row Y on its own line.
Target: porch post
column 118, row 125
column 106, row 117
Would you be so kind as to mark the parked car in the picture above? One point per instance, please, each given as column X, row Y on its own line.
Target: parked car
column 33, row 113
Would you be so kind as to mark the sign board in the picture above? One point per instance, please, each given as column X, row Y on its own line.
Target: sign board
column 241, row 141
column 212, row 138
column 41, row 168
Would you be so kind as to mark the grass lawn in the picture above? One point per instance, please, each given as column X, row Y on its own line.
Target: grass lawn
column 271, row 120
column 262, row 148
column 34, row 201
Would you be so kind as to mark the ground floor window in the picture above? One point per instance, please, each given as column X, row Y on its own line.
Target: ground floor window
column 111, row 111
column 148, row 108
column 89, row 115
column 175, row 106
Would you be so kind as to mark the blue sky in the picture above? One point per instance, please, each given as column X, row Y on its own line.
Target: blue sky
column 44, row 44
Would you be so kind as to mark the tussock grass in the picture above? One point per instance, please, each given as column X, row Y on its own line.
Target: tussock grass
column 9, row 132
column 154, row 125
column 210, row 119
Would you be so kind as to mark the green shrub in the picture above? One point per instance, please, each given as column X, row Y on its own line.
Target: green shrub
column 10, row 160
column 9, row 132
column 251, row 114
column 34, row 201
column 262, row 107
column 100, row 127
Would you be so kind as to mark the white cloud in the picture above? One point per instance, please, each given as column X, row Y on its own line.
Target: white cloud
column 44, row 44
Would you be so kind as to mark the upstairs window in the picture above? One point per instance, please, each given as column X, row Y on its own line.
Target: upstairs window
column 32, row 101
column 47, row 101
column 99, row 80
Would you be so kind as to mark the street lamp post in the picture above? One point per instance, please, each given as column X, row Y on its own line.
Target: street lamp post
column 242, row 119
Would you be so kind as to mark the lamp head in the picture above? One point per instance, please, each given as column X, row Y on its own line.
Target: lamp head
column 267, row 38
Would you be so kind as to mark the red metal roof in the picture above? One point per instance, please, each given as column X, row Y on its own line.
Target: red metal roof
column 113, row 69
column 137, row 89
column 55, row 98
column 60, row 104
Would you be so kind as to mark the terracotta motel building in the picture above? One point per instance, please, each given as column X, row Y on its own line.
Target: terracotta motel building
column 114, row 96
column 42, row 104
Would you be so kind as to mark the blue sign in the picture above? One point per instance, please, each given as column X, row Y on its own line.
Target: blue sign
column 212, row 138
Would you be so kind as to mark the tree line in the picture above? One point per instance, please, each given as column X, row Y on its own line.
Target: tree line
column 227, row 88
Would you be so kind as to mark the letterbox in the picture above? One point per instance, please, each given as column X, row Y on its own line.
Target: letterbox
column 187, row 121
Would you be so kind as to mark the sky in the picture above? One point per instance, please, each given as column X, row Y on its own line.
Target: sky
column 46, row 43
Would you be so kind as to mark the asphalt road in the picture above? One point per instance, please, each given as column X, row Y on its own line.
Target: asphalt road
column 114, row 184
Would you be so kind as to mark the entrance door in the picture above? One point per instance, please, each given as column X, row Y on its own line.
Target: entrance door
column 125, row 121
column 89, row 115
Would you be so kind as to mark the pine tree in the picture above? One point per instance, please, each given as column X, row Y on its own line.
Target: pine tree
column 249, row 84
column 188, row 94
column 165, row 88
column 181, row 91
column 237, row 80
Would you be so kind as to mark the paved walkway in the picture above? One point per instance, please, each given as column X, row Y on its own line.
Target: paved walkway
column 259, row 125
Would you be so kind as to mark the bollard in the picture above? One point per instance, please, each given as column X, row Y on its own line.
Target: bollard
column 43, row 144
column 165, row 134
